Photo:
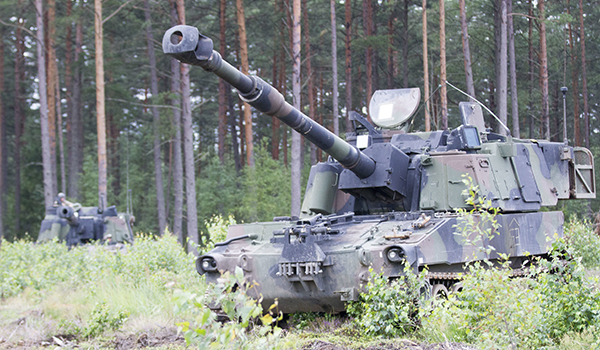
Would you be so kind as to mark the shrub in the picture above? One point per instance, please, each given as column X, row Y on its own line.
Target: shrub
column 584, row 242
column 101, row 320
column 205, row 331
column 389, row 308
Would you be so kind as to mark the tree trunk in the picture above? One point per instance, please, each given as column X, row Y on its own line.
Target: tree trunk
column 274, row 120
column 19, row 115
column 75, row 120
column 405, row 49
column 514, row 98
column 348, row 28
column 2, row 136
column 586, row 114
column 531, row 71
column 245, row 67
column 69, row 82
column 390, row 47
column 100, row 114
column 334, row 65
column 41, row 63
column 309, row 79
column 177, row 159
column 51, row 72
column 222, row 86
column 234, row 136
column 574, row 84
column 443, row 93
column 502, row 74
column 283, row 86
column 158, row 176
column 296, row 85
column 426, row 71
column 367, row 22
column 61, row 149
column 466, row 49
column 188, row 150
column 544, row 73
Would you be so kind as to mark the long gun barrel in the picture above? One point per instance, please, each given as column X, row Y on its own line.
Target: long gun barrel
column 186, row 44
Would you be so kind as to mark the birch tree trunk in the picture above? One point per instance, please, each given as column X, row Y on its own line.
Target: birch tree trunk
column 245, row 67
column 188, row 150
column 296, row 142
column 348, row 28
column 466, row 49
column 516, row 132
column 69, row 82
column 41, row 65
column 336, row 121
column 158, row 176
column 544, row 73
column 61, row 148
column 586, row 114
column 426, row 71
column 443, row 92
column 100, row 114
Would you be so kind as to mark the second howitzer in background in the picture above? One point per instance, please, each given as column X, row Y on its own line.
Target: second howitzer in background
column 387, row 197
column 77, row 225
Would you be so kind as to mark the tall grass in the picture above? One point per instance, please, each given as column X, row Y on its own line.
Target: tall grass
column 87, row 287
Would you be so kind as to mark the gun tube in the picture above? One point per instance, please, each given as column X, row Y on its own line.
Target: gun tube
column 186, row 44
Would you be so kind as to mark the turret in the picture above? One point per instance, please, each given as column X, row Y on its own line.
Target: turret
column 371, row 174
column 386, row 170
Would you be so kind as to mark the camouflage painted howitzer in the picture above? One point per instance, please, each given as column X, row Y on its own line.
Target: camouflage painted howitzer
column 386, row 197
column 76, row 225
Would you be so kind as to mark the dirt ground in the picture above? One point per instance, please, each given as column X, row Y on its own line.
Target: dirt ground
column 392, row 345
column 166, row 338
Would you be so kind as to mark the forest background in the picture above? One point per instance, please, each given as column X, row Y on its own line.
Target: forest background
column 186, row 149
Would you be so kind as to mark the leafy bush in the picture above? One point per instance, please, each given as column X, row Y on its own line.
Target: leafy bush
column 497, row 311
column 389, row 308
column 204, row 330
column 477, row 226
column 584, row 242
column 101, row 320
column 217, row 227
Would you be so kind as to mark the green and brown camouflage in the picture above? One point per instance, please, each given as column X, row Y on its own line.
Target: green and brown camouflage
column 77, row 225
column 386, row 197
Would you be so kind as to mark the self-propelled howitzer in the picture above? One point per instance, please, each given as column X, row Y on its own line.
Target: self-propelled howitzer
column 386, row 198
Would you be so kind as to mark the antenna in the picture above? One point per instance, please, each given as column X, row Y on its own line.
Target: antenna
column 564, row 90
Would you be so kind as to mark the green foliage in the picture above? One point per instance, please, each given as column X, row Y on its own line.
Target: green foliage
column 495, row 310
column 102, row 320
column 217, row 227
column 477, row 226
column 390, row 308
column 265, row 188
column 43, row 266
column 242, row 312
column 583, row 242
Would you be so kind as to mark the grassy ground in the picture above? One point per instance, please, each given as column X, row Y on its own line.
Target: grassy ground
column 90, row 298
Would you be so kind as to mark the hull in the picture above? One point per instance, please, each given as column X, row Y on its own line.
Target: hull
column 325, row 266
